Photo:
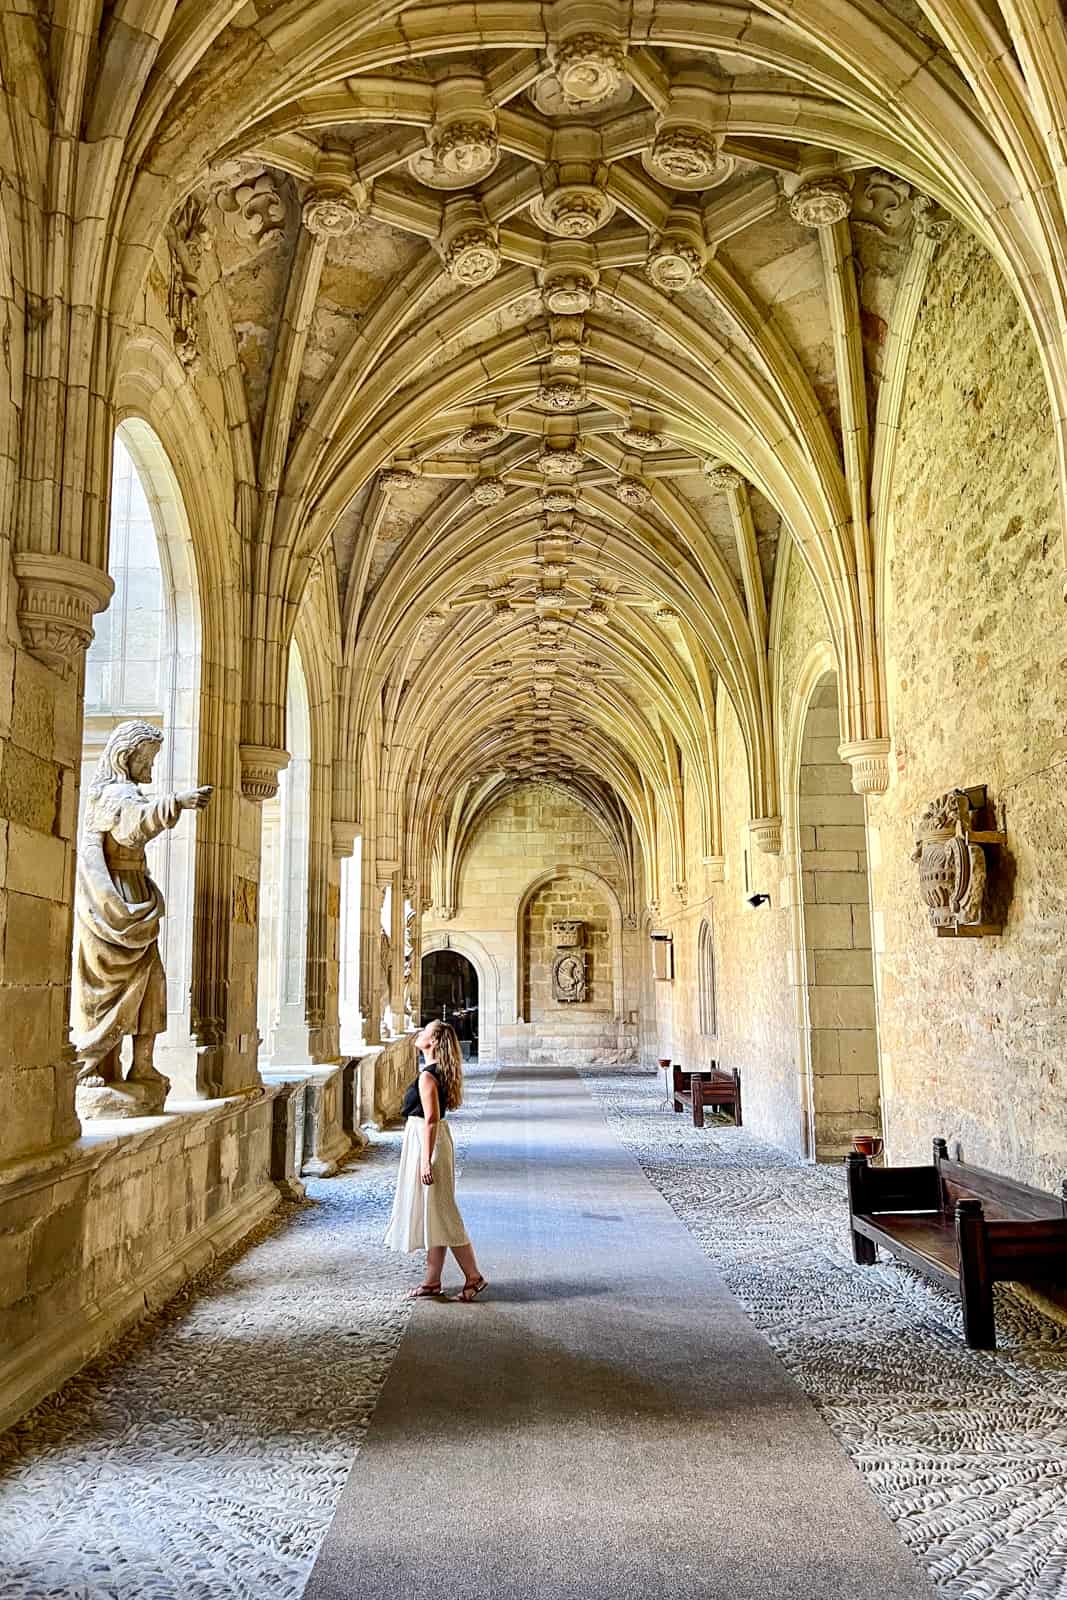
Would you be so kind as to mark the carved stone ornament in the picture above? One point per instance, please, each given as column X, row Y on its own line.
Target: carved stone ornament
column 567, row 934
column 330, row 214
column 881, row 203
column 950, row 852
column 589, row 68
column 722, row 477
column 869, row 760
column 666, row 613
column 488, row 491
column 473, row 256
column 573, row 210
column 182, row 302
column 766, row 834
column 260, row 766
column 560, row 499
column 481, row 436
column 674, row 264
column 929, row 221
column 192, row 230
column 57, row 600
column 561, row 394
column 641, row 439
column 632, row 492
column 254, row 209
column 461, row 152
column 687, row 158
column 568, row 294
column 569, row 985
column 119, row 988
column 560, row 461
column 821, row 202
column 395, row 480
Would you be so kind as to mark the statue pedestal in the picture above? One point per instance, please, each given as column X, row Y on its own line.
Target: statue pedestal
column 133, row 1098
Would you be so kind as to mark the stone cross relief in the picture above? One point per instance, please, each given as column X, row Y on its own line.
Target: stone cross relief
column 119, row 987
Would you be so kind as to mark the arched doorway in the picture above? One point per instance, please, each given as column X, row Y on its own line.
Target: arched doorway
column 838, row 1001
column 450, row 991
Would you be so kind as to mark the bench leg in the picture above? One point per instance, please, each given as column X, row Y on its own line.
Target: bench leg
column 976, row 1286
column 698, row 1102
column 864, row 1250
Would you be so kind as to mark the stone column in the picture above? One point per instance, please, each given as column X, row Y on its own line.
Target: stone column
column 347, row 844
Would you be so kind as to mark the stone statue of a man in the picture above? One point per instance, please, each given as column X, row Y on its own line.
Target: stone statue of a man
column 119, row 987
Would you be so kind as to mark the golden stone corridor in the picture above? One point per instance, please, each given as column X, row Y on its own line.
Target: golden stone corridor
column 581, row 483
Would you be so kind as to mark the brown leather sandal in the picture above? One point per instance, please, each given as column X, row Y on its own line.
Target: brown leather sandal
column 471, row 1290
column 424, row 1291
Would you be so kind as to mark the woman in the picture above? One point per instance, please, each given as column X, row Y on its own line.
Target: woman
column 425, row 1216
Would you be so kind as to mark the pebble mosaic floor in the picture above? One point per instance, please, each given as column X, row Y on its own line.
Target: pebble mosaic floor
column 965, row 1450
column 203, row 1457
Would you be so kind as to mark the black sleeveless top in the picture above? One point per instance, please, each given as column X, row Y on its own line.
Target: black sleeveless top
column 412, row 1106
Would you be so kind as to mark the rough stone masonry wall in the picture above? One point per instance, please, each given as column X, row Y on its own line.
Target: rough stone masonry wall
column 974, row 1032
column 535, row 830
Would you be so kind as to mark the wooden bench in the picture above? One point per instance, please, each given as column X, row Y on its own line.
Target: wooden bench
column 708, row 1088
column 958, row 1224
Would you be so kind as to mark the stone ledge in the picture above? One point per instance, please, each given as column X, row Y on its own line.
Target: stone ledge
column 99, row 1233
column 327, row 1144
column 104, row 1139
column 39, row 1368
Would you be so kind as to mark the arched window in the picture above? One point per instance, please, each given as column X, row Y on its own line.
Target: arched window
column 144, row 662
column 706, row 981
column 283, row 889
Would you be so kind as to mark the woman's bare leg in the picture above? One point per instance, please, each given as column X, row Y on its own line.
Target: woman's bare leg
column 464, row 1254
column 435, row 1261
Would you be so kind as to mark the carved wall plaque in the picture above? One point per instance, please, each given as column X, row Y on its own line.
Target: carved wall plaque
column 566, row 935
column 568, row 977
column 950, row 851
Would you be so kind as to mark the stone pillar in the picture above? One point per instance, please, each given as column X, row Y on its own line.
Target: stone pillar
column 396, row 941
column 348, row 851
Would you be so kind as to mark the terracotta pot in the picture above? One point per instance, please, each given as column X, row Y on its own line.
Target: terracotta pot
column 867, row 1144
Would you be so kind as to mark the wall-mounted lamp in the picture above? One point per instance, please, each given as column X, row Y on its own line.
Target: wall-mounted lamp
column 758, row 899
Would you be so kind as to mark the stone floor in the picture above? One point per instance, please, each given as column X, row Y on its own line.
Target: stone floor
column 205, row 1458
column 965, row 1450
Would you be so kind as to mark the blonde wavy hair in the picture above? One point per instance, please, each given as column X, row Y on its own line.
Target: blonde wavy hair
column 449, row 1061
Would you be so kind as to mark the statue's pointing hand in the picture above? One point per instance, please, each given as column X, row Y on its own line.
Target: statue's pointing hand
column 196, row 799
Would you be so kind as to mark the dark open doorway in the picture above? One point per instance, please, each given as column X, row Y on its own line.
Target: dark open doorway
column 450, row 991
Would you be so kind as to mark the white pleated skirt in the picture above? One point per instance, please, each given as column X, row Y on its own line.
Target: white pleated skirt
column 425, row 1214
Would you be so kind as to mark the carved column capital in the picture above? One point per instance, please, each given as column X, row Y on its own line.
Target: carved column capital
column 766, row 834
column 261, row 765
column 723, row 477
column 869, row 760
column 715, row 868
column 343, row 836
column 57, row 600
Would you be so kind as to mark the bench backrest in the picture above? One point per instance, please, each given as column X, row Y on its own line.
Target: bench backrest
column 1003, row 1199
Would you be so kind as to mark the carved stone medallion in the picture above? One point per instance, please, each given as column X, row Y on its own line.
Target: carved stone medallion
column 632, row 492
column 588, row 67
column 821, row 202
column 564, row 461
column 687, row 158
column 487, row 491
column 569, row 984
column 573, row 210
column 473, row 256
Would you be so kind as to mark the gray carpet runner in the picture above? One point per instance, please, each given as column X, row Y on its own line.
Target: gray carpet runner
column 609, row 1423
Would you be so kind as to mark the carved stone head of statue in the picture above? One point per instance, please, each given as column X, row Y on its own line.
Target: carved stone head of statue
column 128, row 755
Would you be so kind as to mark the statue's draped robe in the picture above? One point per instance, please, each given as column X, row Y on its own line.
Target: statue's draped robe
column 119, row 985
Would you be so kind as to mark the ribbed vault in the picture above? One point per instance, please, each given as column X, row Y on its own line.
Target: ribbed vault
column 550, row 328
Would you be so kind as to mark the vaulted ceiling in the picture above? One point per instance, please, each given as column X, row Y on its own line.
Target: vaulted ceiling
column 551, row 326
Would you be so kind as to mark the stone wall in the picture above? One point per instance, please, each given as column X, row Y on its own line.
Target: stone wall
column 108, row 1229
column 535, row 838
column 571, row 1032
column 973, row 1032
